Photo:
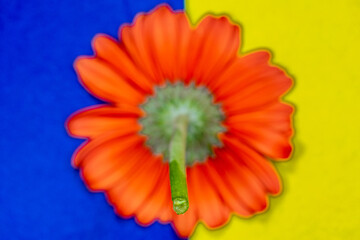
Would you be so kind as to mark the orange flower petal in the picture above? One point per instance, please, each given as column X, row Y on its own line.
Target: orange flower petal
column 149, row 210
column 137, row 44
column 268, row 129
column 183, row 36
column 259, row 165
column 109, row 50
column 239, row 69
column 91, row 122
column 215, row 44
column 97, row 142
column 137, row 189
column 163, row 38
column 247, row 186
column 210, row 207
column 159, row 51
column 105, row 83
column 215, row 175
column 265, row 85
column 166, row 212
column 132, row 190
column 124, row 164
column 100, row 160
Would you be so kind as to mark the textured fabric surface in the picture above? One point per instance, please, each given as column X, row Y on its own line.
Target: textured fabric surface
column 41, row 195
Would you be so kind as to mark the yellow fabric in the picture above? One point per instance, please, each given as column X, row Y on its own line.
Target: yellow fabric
column 318, row 42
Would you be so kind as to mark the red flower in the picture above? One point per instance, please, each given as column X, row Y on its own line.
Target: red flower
column 246, row 124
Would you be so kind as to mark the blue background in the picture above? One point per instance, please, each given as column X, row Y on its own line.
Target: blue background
column 41, row 195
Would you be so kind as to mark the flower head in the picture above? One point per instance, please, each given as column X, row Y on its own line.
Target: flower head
column 182, row 94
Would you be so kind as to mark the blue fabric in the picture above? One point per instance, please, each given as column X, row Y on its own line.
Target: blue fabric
column 41, row 195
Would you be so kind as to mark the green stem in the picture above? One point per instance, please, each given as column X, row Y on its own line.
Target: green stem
column 179, row 193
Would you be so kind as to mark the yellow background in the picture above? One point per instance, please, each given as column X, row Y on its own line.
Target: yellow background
column 318, row 42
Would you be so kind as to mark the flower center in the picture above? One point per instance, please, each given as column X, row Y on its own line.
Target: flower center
column 204, row 120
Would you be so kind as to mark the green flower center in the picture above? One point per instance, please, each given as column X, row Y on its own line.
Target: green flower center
column 204, row 120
